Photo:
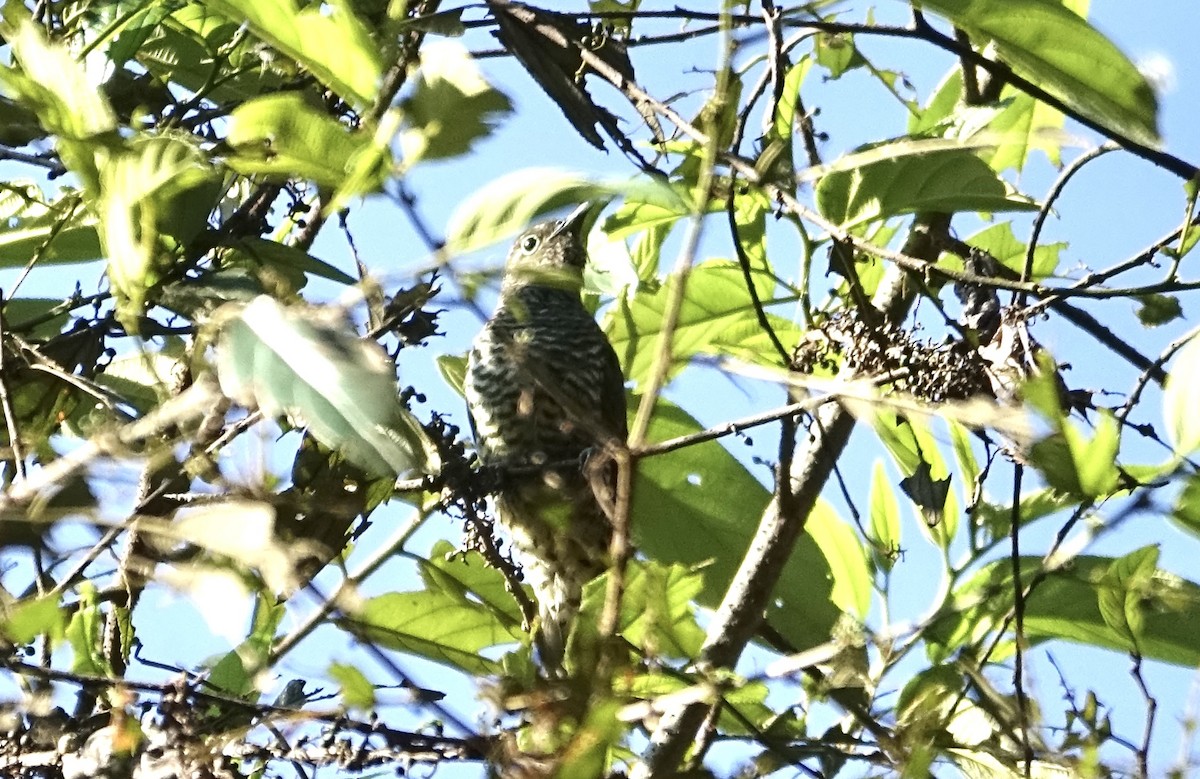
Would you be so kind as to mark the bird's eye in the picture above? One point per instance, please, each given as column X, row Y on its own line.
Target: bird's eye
column 529, row 243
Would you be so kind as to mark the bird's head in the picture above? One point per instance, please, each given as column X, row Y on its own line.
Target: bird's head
column 549, row 254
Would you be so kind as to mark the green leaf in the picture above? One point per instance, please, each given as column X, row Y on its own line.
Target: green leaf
column 654, row 207
column 509, row 203
column 49, row 241
column 904, row 177
column 999, row 241
column 1181, row 398
column 1123, row 592
column 885, row 518
column 28, row 619
column 268, row 252
column 1157, row 310
column 715, row 301
column 452, row 106
column 699, row 505
column 746, row 697
column 1187, row 506
column 298, row 362
column 328, row 39
column 357, row 690
column 453, row 368
column 1066, row 606
column 50, row 81
column 1079, row 464
column 85, row 633
column 847, row 560
column 184, row 47
column 467, row 574
column 19, row 312
column 444, row 626
column 237, row 672
column 141, row 192
column 968, row 465
column 1056, row 49
column 1022, row 126
column 777, row 159
column 284, row 135
column 838, row 54
column 656, row 609
column 912, row 445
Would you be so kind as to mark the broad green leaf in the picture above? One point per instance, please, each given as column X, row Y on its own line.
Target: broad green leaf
column 905, row 178
column 1096, row 456
column 837, row 53
column 1056, row 49
column 776, row 162
column 1181, row 398
column 19, row 313
column 284, row 135
column 510, row 203
column 50, row 242
column 658, row 207
column 314, row 367
column 467, row 574
column 186, row 46
column 913, row 446
column 238, row 672
column 1066, row 606
column 142, row 187
column 1011, row 128
column 715, row 301
column 748, row 698
column 281, row 255
column 1023, row 125
column 451, row 107
column 998, row 519
column 453, row 368
column 747, row 341
column 968, row 465
column 1157, row 310
column 55, row 85
column 369, row 167
column 1124, row 592
column 85, row 633
column 847, row 559
column 885, row 518
column 28, row 619
column 327, row 39
column 444, row 626
column 1187, row 506
column 357, row 690
column 1077, row 463
column 587, row 753
column 999, row 241
column 656, row 608
column 136, row 31
column 699, row 505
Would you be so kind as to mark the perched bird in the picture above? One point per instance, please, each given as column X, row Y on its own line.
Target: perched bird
column 545, row 392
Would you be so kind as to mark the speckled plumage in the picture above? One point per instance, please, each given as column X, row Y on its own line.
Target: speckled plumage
column 544, row 387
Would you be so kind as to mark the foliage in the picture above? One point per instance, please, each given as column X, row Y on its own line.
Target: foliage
column 172, row 174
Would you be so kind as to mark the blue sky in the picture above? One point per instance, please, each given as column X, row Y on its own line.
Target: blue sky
column 1115, row 207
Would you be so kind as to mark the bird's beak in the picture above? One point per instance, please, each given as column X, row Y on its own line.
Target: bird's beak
column 573, row 222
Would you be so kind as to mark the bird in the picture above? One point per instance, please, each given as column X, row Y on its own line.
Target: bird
column 546, row 395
